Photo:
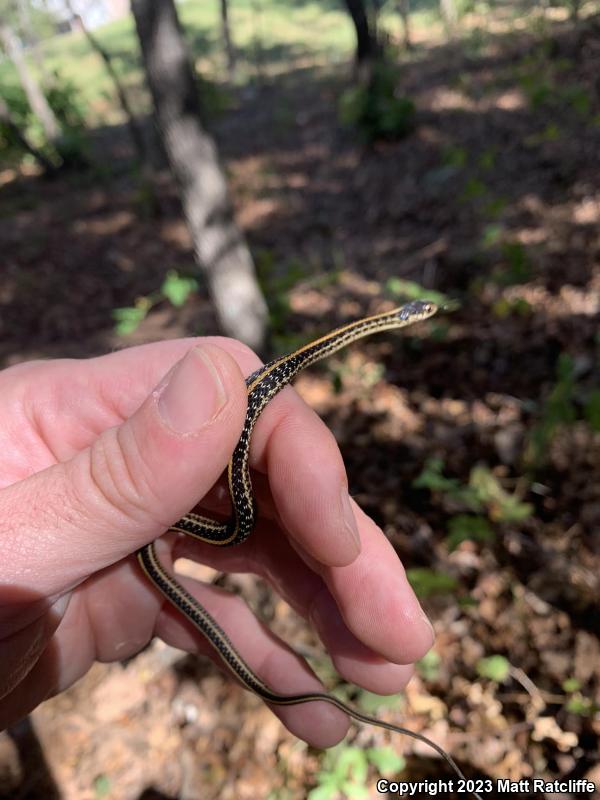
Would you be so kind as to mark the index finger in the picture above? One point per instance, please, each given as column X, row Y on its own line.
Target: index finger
column 290, row 442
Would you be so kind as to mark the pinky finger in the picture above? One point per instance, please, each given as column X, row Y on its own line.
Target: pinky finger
column 318, row 723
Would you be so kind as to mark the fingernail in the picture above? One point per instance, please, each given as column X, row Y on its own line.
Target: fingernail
column 194, row 393
column 430, row 627
column 348, row 517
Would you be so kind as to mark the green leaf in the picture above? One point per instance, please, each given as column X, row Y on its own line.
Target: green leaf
column 455, row 156
column 325, row 791
column 385, row 760
column 487, row 159
column 501, row 505
column 517, row 267
column 432, row 477
column 427, row 582
column 496, row 668
column 464, row 527
column 177, row 289
column 583, row 706
column 474, row 188
column 466, row 601
column 371, row 702
column 429, row 666
column 128, row 319
column 571, row 685
column 492, row 234
column 102, row 786
column 354, row 790
column 410, row 290
column 352, row 761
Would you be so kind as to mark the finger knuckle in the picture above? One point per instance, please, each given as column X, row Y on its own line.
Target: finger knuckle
column 119, row 474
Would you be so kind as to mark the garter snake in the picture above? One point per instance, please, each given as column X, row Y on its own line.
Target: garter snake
column 262, row 385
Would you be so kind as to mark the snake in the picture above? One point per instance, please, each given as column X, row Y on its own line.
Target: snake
column 262, row 386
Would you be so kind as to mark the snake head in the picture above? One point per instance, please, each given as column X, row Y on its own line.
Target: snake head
column 417, row 310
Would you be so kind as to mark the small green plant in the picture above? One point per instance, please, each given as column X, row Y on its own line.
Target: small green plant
column 501, row 506
column 576, row 702
column 427, row 582
column 102, row 786
column 175, row 289
column 558, row 409
column 432, row 477
column 465, row 527
column 487, row 159
column 404, row 290
column 429, row 666
column 496, row 668
column 455, row 156
column 516, row 267
column 474, row 189
column 377, row 109
column 516, row 306
column 491, row 236
column 551, row 133
column 483, row 493
column 566, row 403
column 345, row 771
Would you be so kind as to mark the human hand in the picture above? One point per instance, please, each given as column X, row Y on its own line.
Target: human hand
column 101, row 456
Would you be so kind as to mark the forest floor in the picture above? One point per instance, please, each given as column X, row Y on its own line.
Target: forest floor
column 474, row 441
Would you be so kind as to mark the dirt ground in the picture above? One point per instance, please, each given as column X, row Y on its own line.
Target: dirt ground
column 492, row 200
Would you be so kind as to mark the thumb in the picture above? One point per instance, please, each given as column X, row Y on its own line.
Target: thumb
column 131, row 484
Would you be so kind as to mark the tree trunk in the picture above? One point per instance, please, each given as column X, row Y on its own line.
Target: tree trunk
column 575, row 5
column 449, row 15
column 227, row 40
column 366, row 44
column 404, row 11
column 35, row 96
column 26, row 26
column 135, row 131
column 218, row 243
column 6, row 119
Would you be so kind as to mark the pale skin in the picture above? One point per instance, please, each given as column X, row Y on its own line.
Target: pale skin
column 100, row 456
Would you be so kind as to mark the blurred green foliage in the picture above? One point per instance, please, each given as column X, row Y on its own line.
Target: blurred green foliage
column 405, row 290
column 566, row 402
column 376, row 108
column 482, row 493
column 496, row 668
column 345, row 770
column 175, row 289
column 427, row 582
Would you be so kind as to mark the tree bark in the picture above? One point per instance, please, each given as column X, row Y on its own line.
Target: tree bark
column 227, row 40
column 218, row 243
column 366, row 44
column 35, row 96
column 404, row 11
column 27, row 28
column 449, row 15
column 7, row 119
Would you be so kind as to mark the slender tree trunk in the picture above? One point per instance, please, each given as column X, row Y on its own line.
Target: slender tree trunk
column 35, row 96
column 135, row 131
column 218, row 243
column 575, row 5
column 227, row 40
column 449, row 14
column 7, row 119
column 366, row 44
column 404, row 11
column 26, row 26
